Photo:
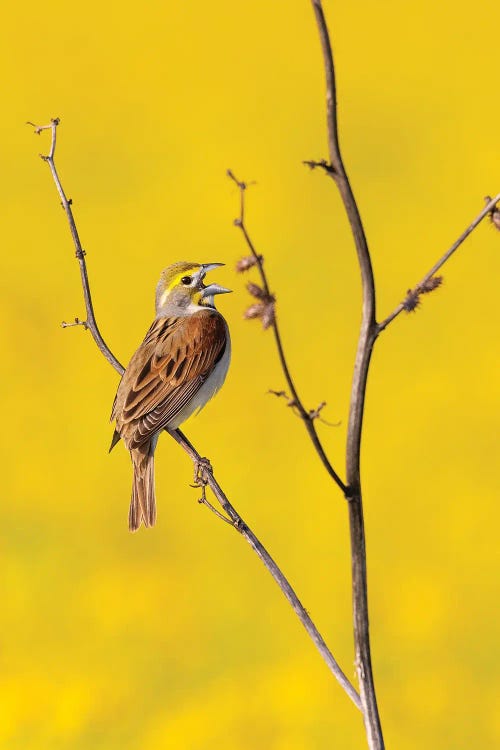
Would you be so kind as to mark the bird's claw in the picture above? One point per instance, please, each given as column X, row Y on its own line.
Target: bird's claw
column 202, row 467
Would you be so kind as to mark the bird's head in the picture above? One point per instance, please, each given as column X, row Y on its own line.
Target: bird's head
column 181, row 288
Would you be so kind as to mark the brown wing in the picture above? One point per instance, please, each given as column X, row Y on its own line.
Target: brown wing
column 173, row 361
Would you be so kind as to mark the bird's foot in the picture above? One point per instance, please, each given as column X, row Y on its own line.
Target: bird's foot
column 202, row 467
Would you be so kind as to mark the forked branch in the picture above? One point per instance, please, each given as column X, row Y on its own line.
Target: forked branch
column 368, row 334
column 232, row 515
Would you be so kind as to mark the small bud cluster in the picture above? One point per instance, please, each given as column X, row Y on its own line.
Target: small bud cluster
column 494, row 213
column 495, row 217
column 412, row 299
column 264, row 308
column 246, row 263
column 314, row 413
column 283, row 394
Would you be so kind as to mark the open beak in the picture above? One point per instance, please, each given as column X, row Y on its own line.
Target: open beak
column 212, row 289
column 210, row 267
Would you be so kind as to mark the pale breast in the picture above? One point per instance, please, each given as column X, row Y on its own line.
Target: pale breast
column 209, row 388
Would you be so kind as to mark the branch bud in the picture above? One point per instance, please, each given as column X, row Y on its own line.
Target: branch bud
column 431, row 284
column 263, row 310
column 256, row 291
column 244, row 264
column 268, row 316
column 412, row 299
column 495, row 217
column 254, row 311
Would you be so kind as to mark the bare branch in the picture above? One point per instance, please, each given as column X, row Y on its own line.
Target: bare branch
column 491, row 210
column 268, row 315
column 90, row 323
column 203, row 471
column 240, row 525
column 367, row 336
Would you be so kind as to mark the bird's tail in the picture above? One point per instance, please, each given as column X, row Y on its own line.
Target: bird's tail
column 143, row 502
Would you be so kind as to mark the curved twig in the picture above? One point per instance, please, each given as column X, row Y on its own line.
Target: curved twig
column 66, row 203
column 236, row 520
column 306, row 416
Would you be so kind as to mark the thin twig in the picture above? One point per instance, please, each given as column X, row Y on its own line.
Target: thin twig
column 75, row 322
column 304, row 414
column 204, row 501
column 367, row 336
column 490, row 206
column 235, row 519
column 91, row 322
column 240, row 525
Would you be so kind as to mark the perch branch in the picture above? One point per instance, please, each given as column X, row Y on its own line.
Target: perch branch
column 272, row 567
column 307, row 416
column 367, row 336
column 232, row 515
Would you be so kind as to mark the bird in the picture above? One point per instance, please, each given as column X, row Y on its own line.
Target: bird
column 180, row 365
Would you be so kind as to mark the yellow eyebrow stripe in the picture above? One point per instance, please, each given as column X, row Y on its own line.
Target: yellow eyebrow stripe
column 177, row 279
column 175, row 282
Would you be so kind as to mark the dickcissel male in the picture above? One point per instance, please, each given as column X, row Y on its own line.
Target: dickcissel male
column 179, row 366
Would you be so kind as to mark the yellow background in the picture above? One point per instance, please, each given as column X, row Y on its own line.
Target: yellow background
column 177, row 637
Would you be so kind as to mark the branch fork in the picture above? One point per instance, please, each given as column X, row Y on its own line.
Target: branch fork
column 202, row 470
column 322, row 164
column 76, row 322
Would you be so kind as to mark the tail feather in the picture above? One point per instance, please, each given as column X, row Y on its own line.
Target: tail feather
column 115, row 440
column 143, row 502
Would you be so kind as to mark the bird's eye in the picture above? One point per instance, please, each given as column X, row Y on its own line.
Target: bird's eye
column 186, row 280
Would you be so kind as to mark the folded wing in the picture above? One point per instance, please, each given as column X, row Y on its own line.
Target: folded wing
column 165, row 373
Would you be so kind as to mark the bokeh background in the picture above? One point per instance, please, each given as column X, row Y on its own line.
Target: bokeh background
column 177, row 637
